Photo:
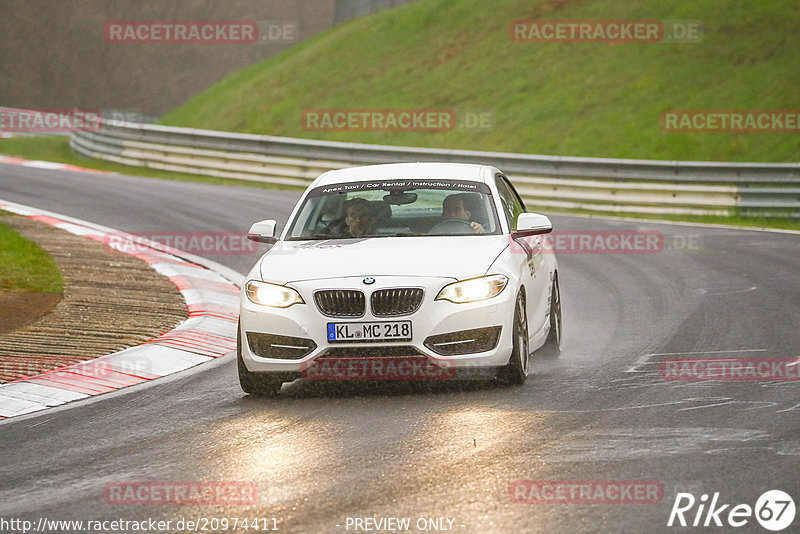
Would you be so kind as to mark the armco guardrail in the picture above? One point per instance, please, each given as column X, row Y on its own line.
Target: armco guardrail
column 637, row 186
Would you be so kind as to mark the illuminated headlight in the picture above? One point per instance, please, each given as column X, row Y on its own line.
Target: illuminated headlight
column 273, row 295
column 481, row 288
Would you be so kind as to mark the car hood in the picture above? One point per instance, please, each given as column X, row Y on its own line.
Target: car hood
column 457, row 257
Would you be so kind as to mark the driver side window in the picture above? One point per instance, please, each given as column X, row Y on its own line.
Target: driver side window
column 512, row 205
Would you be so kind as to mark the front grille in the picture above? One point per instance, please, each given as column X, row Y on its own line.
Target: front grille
column 394, row 302
column 371, row 352
column 340, row 302
column 464, row 341
column 282, row 347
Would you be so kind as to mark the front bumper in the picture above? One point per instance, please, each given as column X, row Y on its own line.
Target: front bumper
column 303, row 328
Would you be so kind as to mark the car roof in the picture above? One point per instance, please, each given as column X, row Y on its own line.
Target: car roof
column 394, row 171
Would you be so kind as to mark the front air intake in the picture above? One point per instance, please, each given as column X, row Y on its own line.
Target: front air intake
column 281, row 347
column 464, row 341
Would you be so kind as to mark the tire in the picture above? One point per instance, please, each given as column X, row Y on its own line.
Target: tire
column 552, row 345
column 256, row 384
column 516, row 370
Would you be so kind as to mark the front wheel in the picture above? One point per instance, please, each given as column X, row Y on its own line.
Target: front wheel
column 255, row 384
column 552, row 345
column 516, row 371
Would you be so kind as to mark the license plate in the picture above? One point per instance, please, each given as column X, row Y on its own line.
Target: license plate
column 350, row 332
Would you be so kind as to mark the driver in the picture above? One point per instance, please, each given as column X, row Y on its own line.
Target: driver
column 358, row 217
column 453, row 207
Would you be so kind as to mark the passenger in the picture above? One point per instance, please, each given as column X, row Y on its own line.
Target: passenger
column 454, row 207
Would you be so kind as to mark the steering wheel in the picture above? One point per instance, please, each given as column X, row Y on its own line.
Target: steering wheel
column 451, row 226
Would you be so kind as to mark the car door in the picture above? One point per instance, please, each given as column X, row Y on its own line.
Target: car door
column 530, row 252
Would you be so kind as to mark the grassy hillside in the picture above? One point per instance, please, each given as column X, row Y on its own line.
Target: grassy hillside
column 585, row 99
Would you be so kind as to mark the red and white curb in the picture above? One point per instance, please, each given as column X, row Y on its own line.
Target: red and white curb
column 49, row 165
column 211, row 293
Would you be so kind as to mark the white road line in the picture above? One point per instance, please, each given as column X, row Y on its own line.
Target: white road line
column 705, row 352
column 644, row 361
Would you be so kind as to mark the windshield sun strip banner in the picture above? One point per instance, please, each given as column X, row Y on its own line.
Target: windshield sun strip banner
column 404, row 185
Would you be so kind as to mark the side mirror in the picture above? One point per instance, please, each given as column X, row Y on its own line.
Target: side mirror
column 263, row 232
column 529, row 224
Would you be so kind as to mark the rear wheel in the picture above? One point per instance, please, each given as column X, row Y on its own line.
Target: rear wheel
column 552, row 346
column 255, row 384
column 516, row 371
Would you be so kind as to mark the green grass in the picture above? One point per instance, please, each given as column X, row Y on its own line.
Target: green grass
column 576, row 99
column 25, row 266
column 56, row 149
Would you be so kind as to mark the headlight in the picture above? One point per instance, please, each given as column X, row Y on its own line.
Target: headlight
column 273, row 295
column 481, row 288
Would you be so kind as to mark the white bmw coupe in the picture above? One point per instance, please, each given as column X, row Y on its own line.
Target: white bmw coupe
column 437, row 266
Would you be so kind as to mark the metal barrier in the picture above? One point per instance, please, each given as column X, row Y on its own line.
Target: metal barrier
column 618, row 185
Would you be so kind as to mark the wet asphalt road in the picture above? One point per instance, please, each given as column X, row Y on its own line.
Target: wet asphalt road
column 322, row 454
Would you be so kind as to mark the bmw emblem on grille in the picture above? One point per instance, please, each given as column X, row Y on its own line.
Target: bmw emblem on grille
column 369, row 280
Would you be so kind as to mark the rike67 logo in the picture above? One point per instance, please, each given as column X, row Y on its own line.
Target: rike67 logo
column 774, row 510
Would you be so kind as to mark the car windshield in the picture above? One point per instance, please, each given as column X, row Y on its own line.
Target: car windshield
column 396, row 208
